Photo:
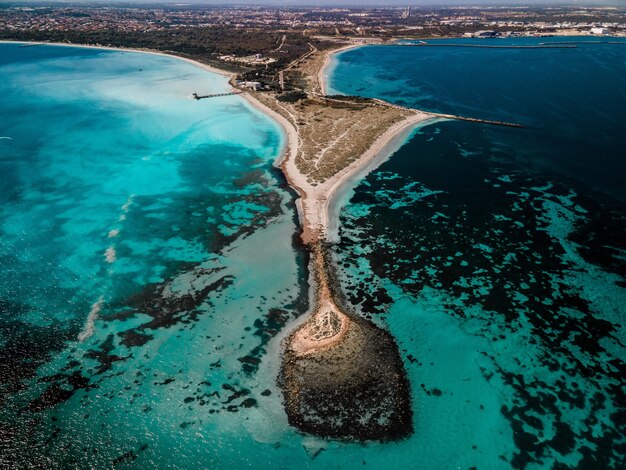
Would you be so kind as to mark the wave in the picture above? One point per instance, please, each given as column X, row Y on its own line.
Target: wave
column 90, row 327
column 110, row 254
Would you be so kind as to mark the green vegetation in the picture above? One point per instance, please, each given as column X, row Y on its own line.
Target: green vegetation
column 291, row 96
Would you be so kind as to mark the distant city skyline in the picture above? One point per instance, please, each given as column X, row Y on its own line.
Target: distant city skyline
column 348, row 3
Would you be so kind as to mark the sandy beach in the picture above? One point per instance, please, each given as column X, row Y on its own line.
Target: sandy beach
column 318, row 204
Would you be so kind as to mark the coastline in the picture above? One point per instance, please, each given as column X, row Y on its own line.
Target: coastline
column 382, row 149
column 379, row 153
column 286, row 157
column 330, row 192
column 328, row 59
column 208, row 68
column 318, row 206
column 329, row 351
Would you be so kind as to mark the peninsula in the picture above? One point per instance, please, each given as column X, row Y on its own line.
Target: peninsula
column 342, row 376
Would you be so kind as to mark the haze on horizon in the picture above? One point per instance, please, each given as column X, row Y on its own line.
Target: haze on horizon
column 352, row 3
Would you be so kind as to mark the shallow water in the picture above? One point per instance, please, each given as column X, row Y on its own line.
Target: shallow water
column 147, row 262
column 495, row 256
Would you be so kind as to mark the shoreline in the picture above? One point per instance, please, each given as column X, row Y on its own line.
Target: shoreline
column 208, row 68
column 328, row 59
column 287, row 154
column 380, row 151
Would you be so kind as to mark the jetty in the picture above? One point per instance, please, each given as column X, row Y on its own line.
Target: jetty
column 479, row 120
column 454, row 117
column 196, row 96
column 584, row 42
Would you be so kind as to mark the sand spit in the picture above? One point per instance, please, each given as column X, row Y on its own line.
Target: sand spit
column 342, row 376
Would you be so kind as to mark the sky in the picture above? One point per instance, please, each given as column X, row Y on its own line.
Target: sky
column 356, row 3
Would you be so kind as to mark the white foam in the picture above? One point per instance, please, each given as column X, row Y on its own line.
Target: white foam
column 90, row 327
column 113, row 233
column 128, row 203
column 110, row 255
column 6, row 138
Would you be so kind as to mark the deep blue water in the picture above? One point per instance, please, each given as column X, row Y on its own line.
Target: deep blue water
column 572, row 100
column 496, row 256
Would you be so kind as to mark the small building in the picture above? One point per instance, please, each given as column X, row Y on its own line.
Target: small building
column 250, row 85
column 601, row 31
column 485, row 34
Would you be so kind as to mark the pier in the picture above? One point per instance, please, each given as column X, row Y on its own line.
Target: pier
column 196, row 96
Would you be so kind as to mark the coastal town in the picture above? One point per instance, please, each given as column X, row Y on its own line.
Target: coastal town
column 262, row 44
column 383, row 22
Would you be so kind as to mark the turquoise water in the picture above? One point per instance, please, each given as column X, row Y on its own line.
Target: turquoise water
column 147, row 261
column 149, row 268
column 496, row 256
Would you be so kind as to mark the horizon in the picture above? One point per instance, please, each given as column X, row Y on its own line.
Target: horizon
column 338, row 3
